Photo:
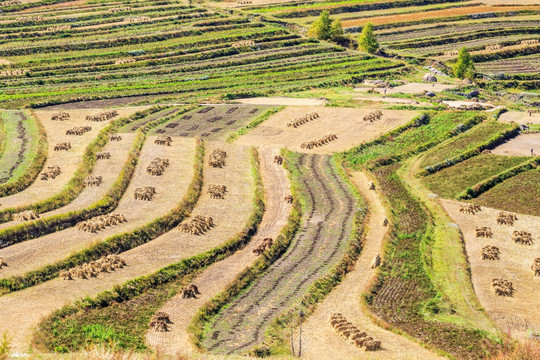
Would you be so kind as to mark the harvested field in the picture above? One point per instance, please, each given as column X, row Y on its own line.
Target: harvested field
column 108, row 169
column 282, row 101
column 57, row 246
column 520, row 146
column 517, row 194
column 520, row 117
column 411, row 88
column 319, row 340
column 68, row 161
column 346, row 123
column 137, row 124
column 211, row 122
column 516, row 314
column 313, row 252
column 230, row 216
column 214, row 279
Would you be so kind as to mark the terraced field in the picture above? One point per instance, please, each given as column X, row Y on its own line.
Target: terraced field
column 313, row 252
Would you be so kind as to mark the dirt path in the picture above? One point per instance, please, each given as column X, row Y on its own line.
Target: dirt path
column 108, row 169
column 319, row 340
column 230, row 216
column 318, row 246
column 214, row 280
column 36, row 253
column 282, row 101
column 517, row 314
column 346, row 123
column 520, row 146
column 410, row 88
column 68, row 161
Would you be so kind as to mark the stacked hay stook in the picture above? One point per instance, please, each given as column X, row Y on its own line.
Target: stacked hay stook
column 278, row 160
column 470, row 209
column 318, row 142
column 289, row 199
column 79, row 131
column 502, row 287
column 25, row 215
column 160, row 322
column 145, row 193
column 522, row 237
column 490, row 252
column 2, row 263
column 303, row 119
column 163, row 140
column 157, row 166
column 51, row 172
column 265, row 245
column 101, row 222
column 243, row 43
column 535, row 267
column 198, row 225
column 217, row 191
column 93, row 180
column 217, row 158
column 103, row 155
column 60, row 116
column 104, row 116
column 62, row 146
column 190, row 292
column 373, row 116
column 484, row 231
column 115, row 137
column 506, row 218
column 92, row 269
column 351, row 333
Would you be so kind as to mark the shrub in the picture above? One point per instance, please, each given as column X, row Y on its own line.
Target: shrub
column 367, row 41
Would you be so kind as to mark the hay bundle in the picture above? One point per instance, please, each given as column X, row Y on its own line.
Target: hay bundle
column 92, row 269
column 137, row 19
column 484, row 231
column 376, row 262
column 79, row 131
column 58, row 28
column 190, row 292
column 502, row 287
column 504, row 218
column 124, row 61
column 119, row 9
column 303, row 119
column 535, row 267
column 101, row 222
column 25, row 215
column 289, row 199
column 13, row 72
column 198, row 225
column 493, row 47
column 522, row 237
column 157, row 166
column 145, row 193
column 217, row 158
column 163, row 140
column 103, row 155
column 217, row 191
column 373, row 116
column 529, row 42
column 160, row 322
column 51, row 172
column 93, row 180
column 352, row 334
column 470, row 209
column 265, row 245
column 2, row 263
column 318, row 142
column 103, row 116
column 115, row 137
column 243, row 43
column 278, row 159
column 63, row 146
column 490, row 252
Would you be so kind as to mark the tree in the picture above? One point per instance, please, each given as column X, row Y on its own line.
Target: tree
column 464, row 67
column 322, row 28
column 367, row 40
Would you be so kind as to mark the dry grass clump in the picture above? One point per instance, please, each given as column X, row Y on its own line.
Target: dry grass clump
column 145, row 193
column 101, row 222
column 160, row 322
column 351, row 333
column 25, row 215
column 190, row 292
column 92, row 269
column 198, row 225
column 51, row 172
column 104, row 116
column 528, row 349
column 323, row 140
column 217, row 158
column 303, row 119
column 502, row 287
column 157, row 166
column 217, row 191
column 490, row 252
column 373, row 116
column 265, row 245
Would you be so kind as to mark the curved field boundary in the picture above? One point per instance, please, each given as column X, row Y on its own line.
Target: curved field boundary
column 313, row 252
column 75, row 164
column 319, row 339
column 15, row 142
column 31, row 165
column 217, row 276
column 55, row 248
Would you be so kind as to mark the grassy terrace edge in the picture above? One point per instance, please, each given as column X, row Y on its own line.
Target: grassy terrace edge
column 168, row 274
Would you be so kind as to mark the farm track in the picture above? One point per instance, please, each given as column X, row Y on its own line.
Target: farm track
column 8, row 162
column 36, row 253
column 319, row 339
column 215, row 279
column 317, row 247
column 108, row 169
column 230, row 216
column 68, row 161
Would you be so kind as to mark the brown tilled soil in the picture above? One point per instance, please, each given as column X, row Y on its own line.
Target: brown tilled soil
column 320, row 341
column 214, row 279
column 68, row 161
column 346, row 123
column 230, row 216
column 517, row 314
column 520, row 146
column 170, row 188
column 108, row 169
